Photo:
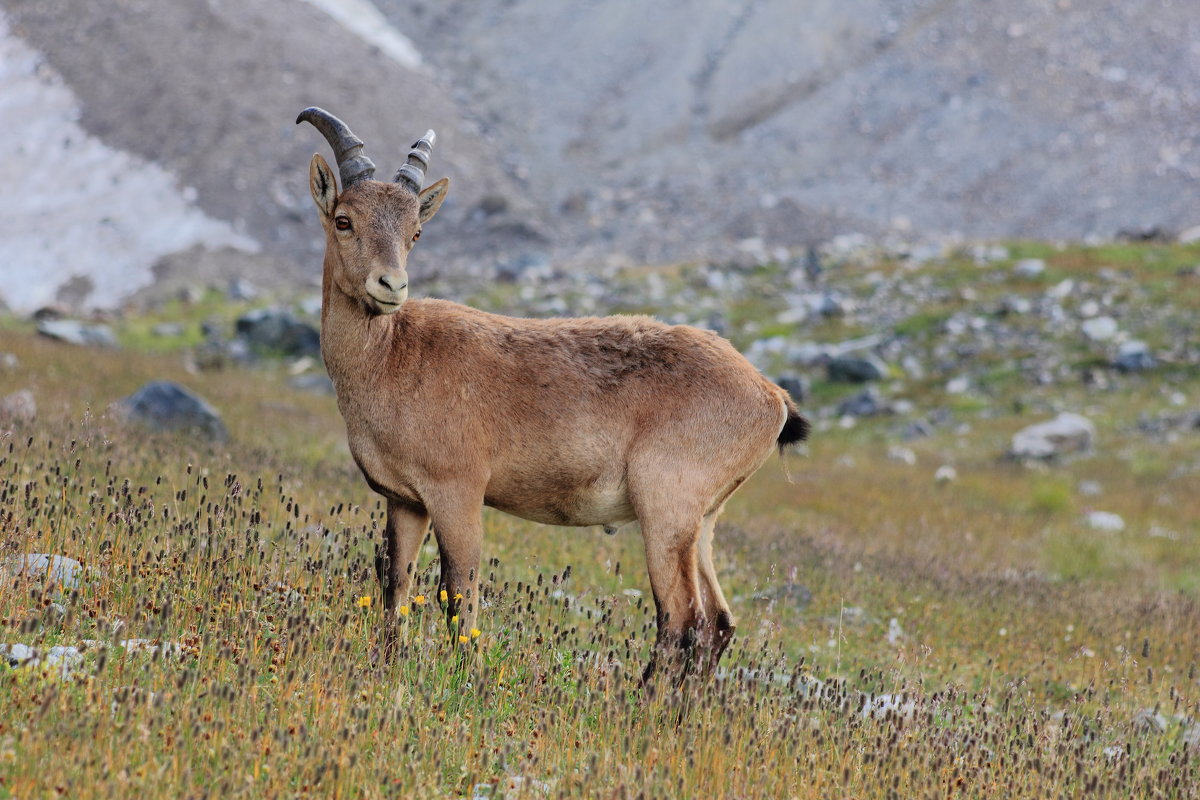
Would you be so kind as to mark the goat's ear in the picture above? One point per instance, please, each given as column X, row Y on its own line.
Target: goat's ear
column 321, row 183
column 432, row 197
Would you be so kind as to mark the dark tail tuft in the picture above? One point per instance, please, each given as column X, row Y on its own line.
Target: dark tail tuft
column 795, row 428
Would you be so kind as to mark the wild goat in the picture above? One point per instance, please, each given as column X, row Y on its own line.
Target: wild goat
column 593, row 421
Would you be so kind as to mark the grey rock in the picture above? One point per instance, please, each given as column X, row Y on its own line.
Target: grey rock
column 277, row 331
column 1104, row 521
column 58, row 570
column 797, row 387
column 790, row 594
column 242, row 289
column 164, row 406
column 9, row 361
column 1066, row 433
column 866, row 403
column 17, row 654
column 73, row 331
column 1149, row 721
column 18, row 407
column 855, row 369
column 1134, row 356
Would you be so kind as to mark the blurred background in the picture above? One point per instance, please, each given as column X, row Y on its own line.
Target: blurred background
column 150, row 143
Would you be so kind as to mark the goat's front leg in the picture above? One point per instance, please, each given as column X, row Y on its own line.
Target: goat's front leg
column 405, row 530
column 459, row 530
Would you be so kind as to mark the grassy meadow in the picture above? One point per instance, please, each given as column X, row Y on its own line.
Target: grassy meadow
column 898, row 636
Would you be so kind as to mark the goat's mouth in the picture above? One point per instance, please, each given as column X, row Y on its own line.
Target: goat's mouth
column 389, row 305
column 387, row 299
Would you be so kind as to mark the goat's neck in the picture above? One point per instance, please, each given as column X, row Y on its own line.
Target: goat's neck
column 360, row 348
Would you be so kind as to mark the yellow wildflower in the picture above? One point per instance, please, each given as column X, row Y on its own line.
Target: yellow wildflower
column 476, row 633
column 364, row 601
column 419, row 600
column 442, row 595
column 463, row 639
column 454, row 620
column 404, row 611
column 458, row 596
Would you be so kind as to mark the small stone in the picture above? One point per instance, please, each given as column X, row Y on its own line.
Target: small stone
column 1090, row 488
column 866, row 403
column 1105, row 521
column 58, row 570
column 945, row 474
column 1066, row 433
column 1190, row 235
column 1134, row 356
column 957, row 385
column 1149, row 721
column 1099, row 329
column 902, row 454
column 18, row 408
column 164, row 406
column 9, row 361
column 895, row 634
column 1029, row 267
column 791, row 594
column 880, row 706
column 16, row 654
column 855, row 369
column 75, row 332
column 242, row 289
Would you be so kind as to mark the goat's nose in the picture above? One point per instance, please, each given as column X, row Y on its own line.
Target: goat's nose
column 392, row 283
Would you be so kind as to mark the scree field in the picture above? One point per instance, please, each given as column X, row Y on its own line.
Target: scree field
column 984, row 633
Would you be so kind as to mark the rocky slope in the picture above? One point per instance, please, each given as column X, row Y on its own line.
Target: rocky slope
column 611, row 132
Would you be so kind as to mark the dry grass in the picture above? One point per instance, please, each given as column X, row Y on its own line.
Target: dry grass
column 1024, row 645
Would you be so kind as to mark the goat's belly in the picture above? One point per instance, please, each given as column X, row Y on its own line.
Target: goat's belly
column 596, row 506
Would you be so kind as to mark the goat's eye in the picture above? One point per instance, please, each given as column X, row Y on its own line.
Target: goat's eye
column 342, row 223
column 416, row 236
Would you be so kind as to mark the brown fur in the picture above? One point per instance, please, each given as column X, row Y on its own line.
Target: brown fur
column 595, row 421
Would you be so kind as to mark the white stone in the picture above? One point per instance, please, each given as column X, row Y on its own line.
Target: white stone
column 1065, row 433
column 902, row 454
column 1105, row 521
column 1099, row 329
column 945, row 474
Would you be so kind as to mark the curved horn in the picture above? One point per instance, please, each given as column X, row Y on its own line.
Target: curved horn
column 347, row 148
column 412, row 174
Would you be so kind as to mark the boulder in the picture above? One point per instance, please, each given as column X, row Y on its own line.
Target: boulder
column 72, row 331
column 59, row 570
column 1066, row 433
column 277, row 331
column 855, row 369
column 164, row 406
column 796, row 387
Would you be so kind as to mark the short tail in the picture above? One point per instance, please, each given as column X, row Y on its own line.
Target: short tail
column 795, row 427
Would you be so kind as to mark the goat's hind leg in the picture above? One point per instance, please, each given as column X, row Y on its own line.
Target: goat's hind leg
column 718, row 616
column 671, row 558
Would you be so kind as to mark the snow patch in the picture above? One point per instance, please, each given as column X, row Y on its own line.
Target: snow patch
column 364, row 20
column 75, row 209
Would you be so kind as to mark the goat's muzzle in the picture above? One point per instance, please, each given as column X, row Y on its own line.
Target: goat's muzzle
column 387, row 290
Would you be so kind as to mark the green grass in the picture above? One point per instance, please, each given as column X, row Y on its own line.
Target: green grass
column 1028, row 642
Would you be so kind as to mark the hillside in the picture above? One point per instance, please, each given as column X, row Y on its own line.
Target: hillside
column 588, row 136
